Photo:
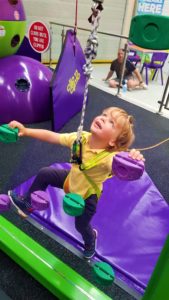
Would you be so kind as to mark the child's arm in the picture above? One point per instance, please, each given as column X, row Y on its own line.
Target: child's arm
column 41, row 134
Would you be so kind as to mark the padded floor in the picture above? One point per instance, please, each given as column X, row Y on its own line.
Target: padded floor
column 132, row 225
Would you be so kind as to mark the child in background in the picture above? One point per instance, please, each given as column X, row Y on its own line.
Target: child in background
column 111, row 131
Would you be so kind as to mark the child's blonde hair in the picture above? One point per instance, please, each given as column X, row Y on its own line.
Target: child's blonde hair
column 126, row 121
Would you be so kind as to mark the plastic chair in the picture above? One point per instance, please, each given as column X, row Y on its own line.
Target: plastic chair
column 134, row 57
column 157, row 62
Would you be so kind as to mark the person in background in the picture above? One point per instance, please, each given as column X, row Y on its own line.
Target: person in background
column 131, row 74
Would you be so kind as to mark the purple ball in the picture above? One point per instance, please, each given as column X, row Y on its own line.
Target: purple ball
column 12, row 10
column 24, row 90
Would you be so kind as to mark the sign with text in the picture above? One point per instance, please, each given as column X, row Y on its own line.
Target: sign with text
column 39, row 37
column 150, row 7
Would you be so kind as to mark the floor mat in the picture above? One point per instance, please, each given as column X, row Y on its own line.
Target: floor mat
column 132, row 224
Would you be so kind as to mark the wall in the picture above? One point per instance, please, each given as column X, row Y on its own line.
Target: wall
column 63, row 11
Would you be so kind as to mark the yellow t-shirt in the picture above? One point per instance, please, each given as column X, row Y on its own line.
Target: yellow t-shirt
column 76, row 182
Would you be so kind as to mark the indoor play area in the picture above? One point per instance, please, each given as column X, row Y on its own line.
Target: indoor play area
column 61, row 91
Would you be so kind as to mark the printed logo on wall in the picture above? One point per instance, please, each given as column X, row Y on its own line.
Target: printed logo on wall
column 154, row 7
column 39, row 37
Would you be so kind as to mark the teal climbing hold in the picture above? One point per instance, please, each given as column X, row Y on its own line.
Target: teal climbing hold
column 150, row 31
column 73, row 204
column 8, row 134
column 103, row 273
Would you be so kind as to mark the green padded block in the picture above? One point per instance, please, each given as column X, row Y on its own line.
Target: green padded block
column 8, row 134
column 103, row 273
column 73, row 204
column 150, row 32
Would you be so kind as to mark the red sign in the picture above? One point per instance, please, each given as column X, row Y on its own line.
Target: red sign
column 39, row 37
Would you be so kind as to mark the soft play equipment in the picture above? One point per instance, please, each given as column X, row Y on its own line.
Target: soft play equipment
column 11, row 36
column 149, row 31
column 126, row 223
column 68, row 82
column 12, row 10
column 12, row 26
column 24, row 90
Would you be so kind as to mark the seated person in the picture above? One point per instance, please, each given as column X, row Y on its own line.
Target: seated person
column 131, row 74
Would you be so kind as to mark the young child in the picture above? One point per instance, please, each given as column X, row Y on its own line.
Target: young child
column 113, row 131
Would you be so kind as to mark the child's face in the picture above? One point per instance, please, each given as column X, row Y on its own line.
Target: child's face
column 106, row 128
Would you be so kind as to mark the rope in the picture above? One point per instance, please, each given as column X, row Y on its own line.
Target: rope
column 90, row 54
column 75, row 26
column 154, row 146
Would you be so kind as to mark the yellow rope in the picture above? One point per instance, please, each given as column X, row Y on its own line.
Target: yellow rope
column 153, row 146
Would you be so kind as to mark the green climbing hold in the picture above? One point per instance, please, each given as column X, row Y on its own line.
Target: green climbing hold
column 73, row 204
column 149, row 31
column 8, row 134
column 103, row 273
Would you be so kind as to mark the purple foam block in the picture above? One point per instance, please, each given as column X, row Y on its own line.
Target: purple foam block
column 126, row 168
column 4, row 203
column 12, row 11
column 39, row 200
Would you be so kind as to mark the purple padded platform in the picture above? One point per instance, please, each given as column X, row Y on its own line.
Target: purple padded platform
column 132, row 220
column 68, row 82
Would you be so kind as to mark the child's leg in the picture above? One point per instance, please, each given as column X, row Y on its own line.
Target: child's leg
column 82, row 223
column 48, row 176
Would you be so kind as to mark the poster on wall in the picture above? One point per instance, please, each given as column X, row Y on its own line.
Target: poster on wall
column 154, row 7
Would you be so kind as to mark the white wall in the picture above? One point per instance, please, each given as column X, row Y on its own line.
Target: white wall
column 166, row 8
column 63, row 11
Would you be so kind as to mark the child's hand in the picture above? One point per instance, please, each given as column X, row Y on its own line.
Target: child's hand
column 136, row 154
column 20, row 126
